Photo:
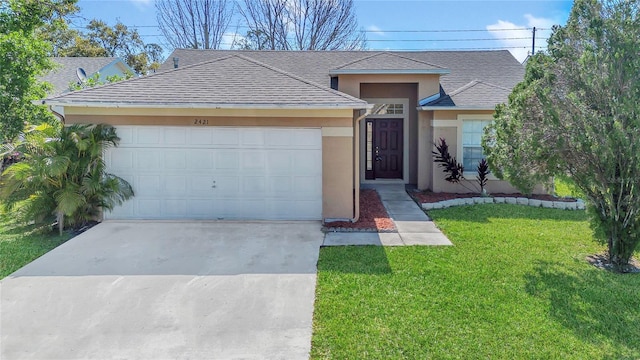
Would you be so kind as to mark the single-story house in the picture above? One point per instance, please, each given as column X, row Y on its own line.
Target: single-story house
column 219, row 134
column 66, row 70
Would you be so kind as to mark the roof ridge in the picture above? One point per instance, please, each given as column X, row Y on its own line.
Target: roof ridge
column 309, row 82
column 415, row 60
column 378, row 53
column 358, row 60
column 474, row 83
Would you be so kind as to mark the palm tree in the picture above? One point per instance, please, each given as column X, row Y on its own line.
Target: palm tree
column 62, row 173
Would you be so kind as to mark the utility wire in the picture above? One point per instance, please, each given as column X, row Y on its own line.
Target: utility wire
column 366, row 31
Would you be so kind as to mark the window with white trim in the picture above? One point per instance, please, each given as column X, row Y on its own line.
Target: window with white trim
column 472, row 131
column 388, row 109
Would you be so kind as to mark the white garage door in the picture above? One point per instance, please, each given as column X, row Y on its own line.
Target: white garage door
column 219, row 173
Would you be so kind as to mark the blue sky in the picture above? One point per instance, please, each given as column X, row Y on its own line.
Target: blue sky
column 495, row 24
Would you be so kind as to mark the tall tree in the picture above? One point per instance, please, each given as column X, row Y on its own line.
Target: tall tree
column 23, row 58
column 267, row 22
column 119, row 41
column 197, row 24
column 577, row 114
column 305, row 24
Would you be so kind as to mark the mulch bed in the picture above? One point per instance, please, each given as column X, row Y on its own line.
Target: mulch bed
column 602, row 261
column 373, row 216
column 431, row 197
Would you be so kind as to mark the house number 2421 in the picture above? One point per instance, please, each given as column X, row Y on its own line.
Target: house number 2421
column 200, row 122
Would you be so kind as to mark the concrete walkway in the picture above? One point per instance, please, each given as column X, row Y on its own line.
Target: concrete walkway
column 413, row 225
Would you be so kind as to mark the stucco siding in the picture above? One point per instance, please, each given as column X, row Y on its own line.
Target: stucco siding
column 208, row 120
column 427, row 84
column 337, row 177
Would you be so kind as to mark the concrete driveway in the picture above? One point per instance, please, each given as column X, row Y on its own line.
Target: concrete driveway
column 166, row 290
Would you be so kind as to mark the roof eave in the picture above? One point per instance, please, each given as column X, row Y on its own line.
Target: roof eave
column 337, row 106
column 471, row 107
column 391, row 72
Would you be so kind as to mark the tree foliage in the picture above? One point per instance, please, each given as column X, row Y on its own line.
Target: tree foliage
column 302, row 25
column 196, row 24
column 62, row 173
column 119, row 40
column 23, row 59
column 577, row 114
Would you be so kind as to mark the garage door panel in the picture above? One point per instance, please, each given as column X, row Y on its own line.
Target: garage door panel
column 279, row 162
column 307, row 209
column 148, row 185
column 219, row 173
column 148, row 160
column 308, row 162
column 174, row 208
column 306, row 138
column 200, row 136
column 175, row 136
column 126, row 135
column 126, row 210
column 252, row 160
column 200, row 184
column 201, row 208
column 227, row 160
column 175, row 159
column 252, row 138
column 307, row 187
column 278, row 138
column 279, row 185
column 148, row 135
column 225, row 137
column 253, row 186
column 148, row 208
column 199, row 160
column 227, row 187
column 119, row 159
column 176, row 186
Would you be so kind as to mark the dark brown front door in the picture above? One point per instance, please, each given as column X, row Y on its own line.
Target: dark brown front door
column 388, row 148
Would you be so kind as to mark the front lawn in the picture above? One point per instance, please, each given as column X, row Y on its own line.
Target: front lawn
column 514, row 285
column 19, row 244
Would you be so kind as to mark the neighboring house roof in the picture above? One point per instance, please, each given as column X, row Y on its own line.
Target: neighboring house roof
column 388, row 63
column 66, row 67
column 228, row 82
column 499, row 68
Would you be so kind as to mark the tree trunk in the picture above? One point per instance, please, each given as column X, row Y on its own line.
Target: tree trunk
column 60, row 218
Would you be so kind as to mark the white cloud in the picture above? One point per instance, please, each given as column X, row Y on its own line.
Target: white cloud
column 518, row 38
column 375, row 30
column 142, row 4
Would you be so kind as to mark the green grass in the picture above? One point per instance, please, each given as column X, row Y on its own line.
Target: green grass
column 19, row 244
column 515, row 285
column 564, row 187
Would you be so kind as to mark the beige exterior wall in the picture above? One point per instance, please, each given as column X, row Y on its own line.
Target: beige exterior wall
column 337, row 143
column 209, row 120
column 337, row 177
column 424, row 157
column 448, row 125
column 428, row 84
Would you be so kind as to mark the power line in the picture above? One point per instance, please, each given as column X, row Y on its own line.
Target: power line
column 367, row 31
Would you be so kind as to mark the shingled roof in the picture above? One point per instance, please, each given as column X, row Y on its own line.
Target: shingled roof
column 388, row 63
column 231, row 81
column 497, row 68
column 66, row 67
